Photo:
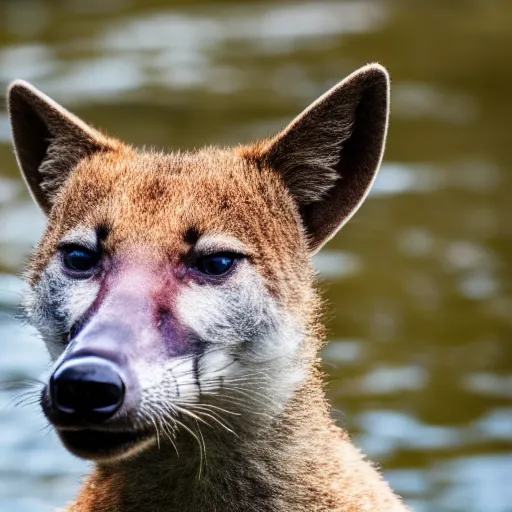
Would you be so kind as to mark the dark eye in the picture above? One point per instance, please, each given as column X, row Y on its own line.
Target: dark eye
column 215, row 264
column 79, row 260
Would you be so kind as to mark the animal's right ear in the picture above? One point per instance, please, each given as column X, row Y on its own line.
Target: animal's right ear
column 49, row 141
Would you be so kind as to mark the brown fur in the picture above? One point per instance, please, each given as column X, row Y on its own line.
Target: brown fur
column 301, row 463
column 150, row 204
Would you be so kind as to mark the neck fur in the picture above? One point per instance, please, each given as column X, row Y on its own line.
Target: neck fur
column 298, row 462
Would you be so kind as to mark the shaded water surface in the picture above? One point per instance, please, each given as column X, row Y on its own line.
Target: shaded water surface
column 419, row 281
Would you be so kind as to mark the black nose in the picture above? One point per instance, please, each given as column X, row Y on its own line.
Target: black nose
column 87, row 387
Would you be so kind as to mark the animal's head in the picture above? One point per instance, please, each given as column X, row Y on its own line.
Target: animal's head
column 173, row 289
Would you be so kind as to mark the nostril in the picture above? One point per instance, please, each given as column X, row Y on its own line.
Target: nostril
column 90, row 387
column 72, row 395
column 64, row 395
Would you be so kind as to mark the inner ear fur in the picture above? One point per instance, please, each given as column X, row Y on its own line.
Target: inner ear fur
column 49, row 141
column 329, row 155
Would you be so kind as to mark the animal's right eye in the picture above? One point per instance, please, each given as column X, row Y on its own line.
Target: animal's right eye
column 79, row 261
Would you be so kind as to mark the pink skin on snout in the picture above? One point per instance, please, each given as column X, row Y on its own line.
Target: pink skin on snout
column 134, row 315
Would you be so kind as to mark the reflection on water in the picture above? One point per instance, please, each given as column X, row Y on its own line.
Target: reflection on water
column 419, row 360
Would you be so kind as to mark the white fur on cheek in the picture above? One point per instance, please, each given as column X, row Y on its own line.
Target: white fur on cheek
column 245, row 332
column 241, row 310
column 56, row 303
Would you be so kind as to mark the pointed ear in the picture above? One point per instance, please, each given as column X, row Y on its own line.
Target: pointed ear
column 329, row 155
column 49, row 141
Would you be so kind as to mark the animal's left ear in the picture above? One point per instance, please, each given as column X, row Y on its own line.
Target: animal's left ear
column 329, row 155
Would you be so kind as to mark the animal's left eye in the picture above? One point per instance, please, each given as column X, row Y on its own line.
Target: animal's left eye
column 215, row 264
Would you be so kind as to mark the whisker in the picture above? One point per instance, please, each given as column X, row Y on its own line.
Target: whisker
column 241, row 403
column 170, row 436
column 193, row 434
column 211, row 406
column 21, row 385
column 204, row 449
column 27, row 397
column 214, row 418
column 45, row 429
column 250, row 394
column 265, row 401
column 157, row 434
column 206, row 410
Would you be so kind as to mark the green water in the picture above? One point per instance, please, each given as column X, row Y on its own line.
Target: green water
column 420, row 280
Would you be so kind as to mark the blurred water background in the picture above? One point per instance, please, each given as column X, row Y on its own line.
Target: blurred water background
column 420, row 356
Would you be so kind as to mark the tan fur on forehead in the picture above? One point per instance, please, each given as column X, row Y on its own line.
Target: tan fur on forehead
column 150, row 201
